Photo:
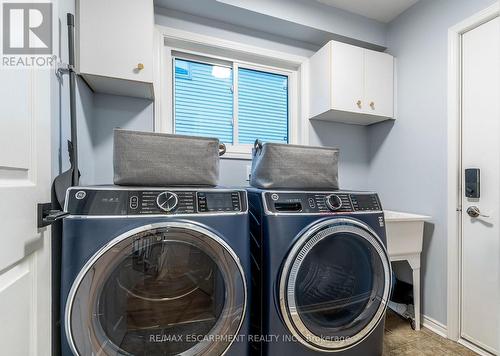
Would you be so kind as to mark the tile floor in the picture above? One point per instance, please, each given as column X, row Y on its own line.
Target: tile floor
column 401, row 340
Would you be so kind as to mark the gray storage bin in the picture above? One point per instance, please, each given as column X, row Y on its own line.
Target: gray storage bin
column 282, row 166
column 156, row 159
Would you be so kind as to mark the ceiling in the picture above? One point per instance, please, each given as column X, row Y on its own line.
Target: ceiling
column 380, row 10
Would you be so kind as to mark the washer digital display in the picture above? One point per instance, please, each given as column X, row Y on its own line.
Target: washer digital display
column 219, row 201
column 365, row 202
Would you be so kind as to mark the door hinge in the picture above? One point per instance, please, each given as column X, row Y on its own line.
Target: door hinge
column 47, row 216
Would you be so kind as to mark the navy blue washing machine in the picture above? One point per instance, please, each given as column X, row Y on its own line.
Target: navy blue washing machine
column 321, row 274
column 155, row 271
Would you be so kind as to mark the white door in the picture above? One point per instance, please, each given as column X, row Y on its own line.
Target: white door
column 347, row 77
column 480, row 299
column 25, row 173
column 379, row 84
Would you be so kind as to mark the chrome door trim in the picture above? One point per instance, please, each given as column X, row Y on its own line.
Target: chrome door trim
column 126, row 235
column 289, row 274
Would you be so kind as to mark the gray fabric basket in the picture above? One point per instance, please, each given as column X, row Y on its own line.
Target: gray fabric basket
column 155, row 159
column 282, row 166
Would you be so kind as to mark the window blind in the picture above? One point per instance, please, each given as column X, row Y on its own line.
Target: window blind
column 204, row 103
column 203, row 100
column 262, row 106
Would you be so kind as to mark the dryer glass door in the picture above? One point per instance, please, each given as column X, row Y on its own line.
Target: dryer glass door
column 335, row 285
column 167, row 290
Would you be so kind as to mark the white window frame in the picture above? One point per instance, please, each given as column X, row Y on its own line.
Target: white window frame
column 173, row 43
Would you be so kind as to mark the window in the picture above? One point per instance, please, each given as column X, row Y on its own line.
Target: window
column 262, row 106
column 203, row 100
column 235, row 102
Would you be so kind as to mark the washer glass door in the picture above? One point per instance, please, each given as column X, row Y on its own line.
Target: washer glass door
column 335, row 285
column 167, row 289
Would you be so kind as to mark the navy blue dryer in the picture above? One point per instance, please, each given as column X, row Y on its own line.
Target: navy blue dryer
column 321, row 273
column 150, row 271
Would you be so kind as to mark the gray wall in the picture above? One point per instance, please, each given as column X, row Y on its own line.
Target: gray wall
column 353, row 143
column 104, row 112
column 318, row 15
column 112, row 111
column 60, row 97
column 61, row 117
column 404, row 160
column 408, row 163
column 85, row 115
column 230, row 32
column 304, row 21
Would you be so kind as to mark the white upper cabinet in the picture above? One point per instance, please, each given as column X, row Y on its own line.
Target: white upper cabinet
column 379, row 84
column 346, row 76
column 351, row 84
column 115, row 46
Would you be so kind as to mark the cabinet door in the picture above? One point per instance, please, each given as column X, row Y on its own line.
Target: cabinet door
column 379, row 84
column 347, row 77
column 115, row 38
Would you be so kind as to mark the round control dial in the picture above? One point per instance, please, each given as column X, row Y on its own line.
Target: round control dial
column 333, row 202
column 167, row 201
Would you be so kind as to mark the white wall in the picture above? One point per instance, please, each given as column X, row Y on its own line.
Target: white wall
column 408, row 161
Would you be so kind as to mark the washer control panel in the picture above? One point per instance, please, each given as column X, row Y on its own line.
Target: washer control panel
column 320, row 202
column 218, row 201
column 154, row 201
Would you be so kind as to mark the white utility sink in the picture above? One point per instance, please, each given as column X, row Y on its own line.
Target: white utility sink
column 405, row 235
column 404, row 232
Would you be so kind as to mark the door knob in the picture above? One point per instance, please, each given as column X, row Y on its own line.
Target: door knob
column 140, row 66
column 474, row 212
column 358, row 103
column 372, row 105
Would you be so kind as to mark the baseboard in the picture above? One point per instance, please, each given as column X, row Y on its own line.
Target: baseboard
column 434, row 326
column 474, row 348
column 441, row 329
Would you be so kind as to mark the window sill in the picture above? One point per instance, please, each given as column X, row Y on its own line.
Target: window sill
column 237, row 155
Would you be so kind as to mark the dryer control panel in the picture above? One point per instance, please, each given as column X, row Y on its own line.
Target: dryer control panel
column 153, row 201
column 320, row 202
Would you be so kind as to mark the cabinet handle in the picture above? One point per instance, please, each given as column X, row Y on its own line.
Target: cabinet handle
column 140, row 66
column 358, row 103
column 372, row 105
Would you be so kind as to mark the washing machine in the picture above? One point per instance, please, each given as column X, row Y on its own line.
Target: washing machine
column 321, row 274
column 155, row 271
